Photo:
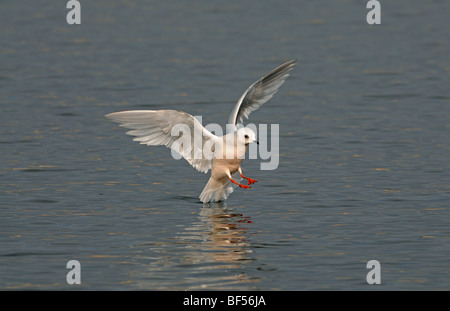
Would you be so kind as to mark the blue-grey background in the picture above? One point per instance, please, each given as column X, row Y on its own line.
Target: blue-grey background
column 364, row 146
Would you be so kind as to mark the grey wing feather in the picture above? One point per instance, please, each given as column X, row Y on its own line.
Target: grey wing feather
column 260, row 92
column 156, row 127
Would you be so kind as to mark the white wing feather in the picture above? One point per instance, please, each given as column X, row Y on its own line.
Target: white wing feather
column 154, row 127
column 260, row 92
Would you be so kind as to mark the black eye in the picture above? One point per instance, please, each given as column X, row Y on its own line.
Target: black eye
column 246, row 136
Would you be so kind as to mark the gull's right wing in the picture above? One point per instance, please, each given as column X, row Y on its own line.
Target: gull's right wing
column 166, row 127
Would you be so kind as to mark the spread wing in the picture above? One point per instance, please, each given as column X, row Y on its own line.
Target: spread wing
column 174, row 129
column 260, row 92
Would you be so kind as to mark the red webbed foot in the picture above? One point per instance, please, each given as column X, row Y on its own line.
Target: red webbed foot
column 250, row 180
column 240, row 185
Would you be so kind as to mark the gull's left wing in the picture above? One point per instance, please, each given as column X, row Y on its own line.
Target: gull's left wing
column 260, row 92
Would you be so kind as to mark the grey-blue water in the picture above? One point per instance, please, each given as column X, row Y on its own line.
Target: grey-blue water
column 364, row 146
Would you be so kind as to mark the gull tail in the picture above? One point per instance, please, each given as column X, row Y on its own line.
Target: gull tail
column 216, row 190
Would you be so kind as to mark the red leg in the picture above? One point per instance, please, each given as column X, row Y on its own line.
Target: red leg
column 240, row 185
column 250, row 180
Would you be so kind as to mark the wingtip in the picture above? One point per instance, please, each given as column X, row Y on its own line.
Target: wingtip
column 291, row 62
column 113, row 116
column 287, row 66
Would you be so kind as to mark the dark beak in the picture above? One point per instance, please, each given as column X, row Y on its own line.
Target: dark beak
column 257, row 142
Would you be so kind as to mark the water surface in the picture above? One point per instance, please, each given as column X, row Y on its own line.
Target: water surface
column 364, row 146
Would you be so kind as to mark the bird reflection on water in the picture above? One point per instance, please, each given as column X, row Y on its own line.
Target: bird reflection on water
column 212, row 253
column 221, row 232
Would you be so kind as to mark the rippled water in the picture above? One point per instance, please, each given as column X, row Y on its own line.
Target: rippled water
column 364, row 146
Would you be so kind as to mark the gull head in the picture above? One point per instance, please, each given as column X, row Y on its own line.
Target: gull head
column 246, row 136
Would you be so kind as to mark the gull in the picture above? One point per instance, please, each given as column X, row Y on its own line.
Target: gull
column 225, row 153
